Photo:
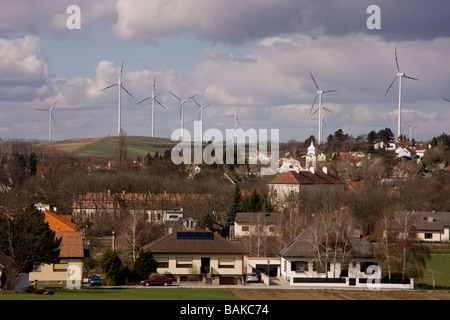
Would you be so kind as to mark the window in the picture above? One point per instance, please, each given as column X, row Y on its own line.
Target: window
column 61, row 266
column 184, row 262
column 292, row 194
column 226, row 263
column 163, row 262
column 36, row 267
column 245, row 228
column 428, row 235
column 299, row 266
column 271, row 228
column 275, row 193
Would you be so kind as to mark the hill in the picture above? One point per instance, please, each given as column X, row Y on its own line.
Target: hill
column 106, row 147
column 101, row 147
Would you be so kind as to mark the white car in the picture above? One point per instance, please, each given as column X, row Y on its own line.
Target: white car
column 251, row 277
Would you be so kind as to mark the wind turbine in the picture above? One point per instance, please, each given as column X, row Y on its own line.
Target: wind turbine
column 410, row 129
column 51, row 118
column 182, row 111
column 236, row 121
column 319, row 95
column 448, row 100
column 153, row 106
column 200, row 117
column 399, row 76
column 119, row 83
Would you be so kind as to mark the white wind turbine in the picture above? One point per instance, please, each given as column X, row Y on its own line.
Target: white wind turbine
column 153, row 97
column 51, row 118
column 399, row 75
column 119, row 83
column 236, row 121
column 182, row 111
column 410, row 129
column 200, row 117
column 320, row 108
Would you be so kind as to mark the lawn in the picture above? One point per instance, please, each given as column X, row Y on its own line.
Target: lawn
column 439, row 265
column 124, row 294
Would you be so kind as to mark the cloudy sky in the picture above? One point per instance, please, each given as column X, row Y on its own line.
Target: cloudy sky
column 257, row 54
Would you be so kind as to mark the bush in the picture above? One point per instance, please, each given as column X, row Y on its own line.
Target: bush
column 111, row 266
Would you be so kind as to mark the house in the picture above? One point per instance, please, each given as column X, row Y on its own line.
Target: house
column 429, row 226
column 349, row 265
column 198, row 255
column 71, row 253
column 290, row 184
column 248, row 223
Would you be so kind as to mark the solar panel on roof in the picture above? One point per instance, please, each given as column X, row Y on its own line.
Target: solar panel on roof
column 195, row 235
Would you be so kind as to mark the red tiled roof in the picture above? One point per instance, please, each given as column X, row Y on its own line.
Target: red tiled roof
column 305, row 177
column 71, row 244
column 59, row 223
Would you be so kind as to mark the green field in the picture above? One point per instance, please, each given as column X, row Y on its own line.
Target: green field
column 124, row 294
column 137, row 146
column 439, row 265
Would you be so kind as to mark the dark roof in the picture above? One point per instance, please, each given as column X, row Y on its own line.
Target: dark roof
column 199, row 243
column 263, row 217
column 427, row 220
column 301, row 247
column 305, row 177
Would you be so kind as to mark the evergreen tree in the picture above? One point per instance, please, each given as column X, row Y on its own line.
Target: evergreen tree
column 145, row 264
column 236, row 204
column 111, row 266
column 27, row 239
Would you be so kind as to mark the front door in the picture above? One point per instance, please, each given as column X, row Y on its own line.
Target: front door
column 205, row 267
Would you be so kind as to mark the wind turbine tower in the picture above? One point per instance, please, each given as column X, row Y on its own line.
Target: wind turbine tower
column 200, row 117
column 120, row 86
column 320, row 108
column 410, row 129
column 399, row 76
column 182, row 111
column 51, row 118
column 236, row 121
column 153, row 97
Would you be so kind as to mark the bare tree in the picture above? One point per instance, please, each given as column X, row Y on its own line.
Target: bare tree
column 132, row 231
column 122, row 147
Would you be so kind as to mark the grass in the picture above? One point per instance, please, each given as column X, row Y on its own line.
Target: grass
column 439, row 265
column 124, row 294
column 137, row 146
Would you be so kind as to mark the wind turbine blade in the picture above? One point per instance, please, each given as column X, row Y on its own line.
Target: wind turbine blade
column 175, row 96
column 43, row 109
column 390, row 86
column 410, row 78
column 190, row 98
column 329, row 91
column 53, row 105
column 199, row 114
column 327, row 110
column 143, row 100
column 181, row 109
column 160, row 103
column 315, row 83
column 127, row 91
column 115, row 84
column 315, row 99
column 396, row 60
column 154, row 83
column 239, row 109
column 197, row 103
column 448, row 100
column 407, row 124
column 53, row 117
column 314, row 112
column 323, row 121
column 238, row 121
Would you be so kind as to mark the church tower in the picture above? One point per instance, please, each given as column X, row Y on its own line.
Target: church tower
column 311, row 157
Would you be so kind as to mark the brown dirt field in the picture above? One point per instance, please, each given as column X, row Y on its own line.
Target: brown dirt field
column 321, row 294
column 73, row 144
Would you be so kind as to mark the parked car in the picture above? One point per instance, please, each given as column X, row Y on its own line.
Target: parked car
column 95, row 281
column 156, row 281
column 251, row 277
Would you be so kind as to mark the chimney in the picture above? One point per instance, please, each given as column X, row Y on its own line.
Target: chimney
column 325, row 170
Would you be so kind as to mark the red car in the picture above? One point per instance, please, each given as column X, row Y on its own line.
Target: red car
column 156, row 281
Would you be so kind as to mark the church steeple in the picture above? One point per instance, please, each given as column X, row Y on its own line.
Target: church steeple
column 311, row 157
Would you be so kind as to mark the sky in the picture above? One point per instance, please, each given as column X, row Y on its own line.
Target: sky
column 257, row 54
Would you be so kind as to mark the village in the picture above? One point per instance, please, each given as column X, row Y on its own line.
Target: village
column 327, row 219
